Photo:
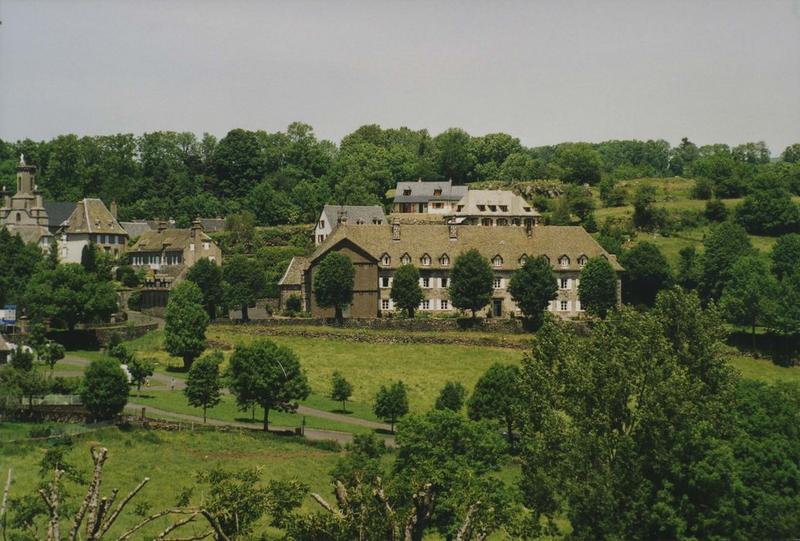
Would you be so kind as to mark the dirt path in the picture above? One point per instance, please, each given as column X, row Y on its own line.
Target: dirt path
column 169, row 383
column 310, row 433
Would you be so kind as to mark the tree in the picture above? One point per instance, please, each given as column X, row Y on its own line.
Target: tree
column 581, row 163
column 451, row 397
column 647, row 272
column 203, row 386
column 128, row 277
column 471, row 282
column 769, row 209
column 140, row 370
column 786, row 255
column 266, row 374
column 608, row 421
column 51, row 352
column 456, row 158
column 208, row 277
column 244, row 282
column 716, row 211
column 689, row 271
column 32, row 385
column 104, row 391
column 598, row 287
column 532, row 287
column 21, row 359
column 785, row 318
column 749, row 296
column 333, row 283
column 341, row 389
column 406, row 291
column 723, row 246
column 391, row 403
column 644, row 213
column 497, row 396
column 185, row 323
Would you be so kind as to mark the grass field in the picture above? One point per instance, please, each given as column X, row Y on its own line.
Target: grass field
column 171, row 459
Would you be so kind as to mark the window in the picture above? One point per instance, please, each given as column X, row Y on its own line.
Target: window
column 385, row 281
column 497, row 261
column 385, row 260
column 563, row 306
column 407, row 191
column 515, row 221
column 486, row 221
column 191, row 247
column 206, row 246
column 493, row 208
column 498, row 283
column 526, row 209
column 504, row 208
column 360, row 221
column 444, row 260
column 582, row 261
column 437, row 205
column 406, row 259
column 502, row 221
column 322, row 224
column 426, row 260
column 459, row 208
column 445, row 281
column 578, row 306
column 563, row 261
column 565, row 283
column 481, row 208
column 523, row 259
column 437, row 192
column 444, row 304
column 426, row 282
column 18, row 216
column 425, row 305
column 384, row 304
column 212, row 258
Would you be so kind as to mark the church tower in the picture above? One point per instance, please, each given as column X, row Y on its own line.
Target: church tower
column 24, row 212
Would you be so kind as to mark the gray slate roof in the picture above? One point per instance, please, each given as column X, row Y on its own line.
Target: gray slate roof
column 136, row 228
column 356, row 214
column 423, row 191
column 58, row 212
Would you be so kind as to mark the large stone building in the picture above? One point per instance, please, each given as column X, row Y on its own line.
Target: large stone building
column 334, row 215
column 377, row 251
column 494, row 208
column 428, row 197
column 24, row 213
column 91, row 223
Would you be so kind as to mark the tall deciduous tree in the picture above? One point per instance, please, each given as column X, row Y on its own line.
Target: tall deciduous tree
column 786, row 255
column 647, row 272
column 104, row 391
column 244, row 282
column 267, row 374
column 471, row 282
column 749, row 296
column 186, row 322
column 532, row 287
column 406, row 291
column 391, row 402
column 208, row 277
column 723, row 246
column 497, row 396
column 51, row 352
column 598, row 287
column 333, row 283
column 140, row 370
column 203, row 386
column 451, row 397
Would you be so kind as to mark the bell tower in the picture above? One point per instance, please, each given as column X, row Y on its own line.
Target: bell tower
column 26, row 175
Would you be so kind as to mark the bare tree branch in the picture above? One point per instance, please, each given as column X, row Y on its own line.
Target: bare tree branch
column 176, row 525
column 99, row 458
column 121, row 506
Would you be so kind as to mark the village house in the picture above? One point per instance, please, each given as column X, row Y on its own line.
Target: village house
column 334, row 215
column 377, row 251
column 166, row 254
column 494, row 208
column 91, row 223
column 427, row 197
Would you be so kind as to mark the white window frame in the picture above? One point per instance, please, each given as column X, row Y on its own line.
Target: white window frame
column 563, row 283
column 497, row 283
column 444, row 304
column 425, row 260
column 563, row 306
column 497, row 261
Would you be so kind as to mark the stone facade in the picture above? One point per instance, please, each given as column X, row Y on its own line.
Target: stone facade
column 24, row 213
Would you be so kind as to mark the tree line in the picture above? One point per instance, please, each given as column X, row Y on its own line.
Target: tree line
column 285, row 177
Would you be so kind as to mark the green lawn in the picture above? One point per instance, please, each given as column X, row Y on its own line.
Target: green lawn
column 171, row 459
column 764, row 369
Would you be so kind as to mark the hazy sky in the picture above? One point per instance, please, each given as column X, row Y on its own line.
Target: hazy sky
column 544, row 71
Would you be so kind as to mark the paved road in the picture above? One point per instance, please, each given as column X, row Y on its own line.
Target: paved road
column 166, row 382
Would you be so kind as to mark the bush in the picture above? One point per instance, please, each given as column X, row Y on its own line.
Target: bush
column 40, row 432
column 703, row 189
column 294, row 304
column 716, row 211
column 68, row 386
column 135, row 301
column 104, row 392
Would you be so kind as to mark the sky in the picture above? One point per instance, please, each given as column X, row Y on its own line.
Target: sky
column 544, row 71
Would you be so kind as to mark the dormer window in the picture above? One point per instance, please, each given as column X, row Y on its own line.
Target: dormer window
column 425, row 260
column 497, row 261
column 504, row 208
column 407, row 191
column 523, row 259
column 386, row 260
column 459, row 208
column 405, row 259
column 582, row 261
column 493, row 208
column 526, row 209
column 444, row 260
column 360, row 221
column 482, row 208
column 563, row 261
column 437, row 192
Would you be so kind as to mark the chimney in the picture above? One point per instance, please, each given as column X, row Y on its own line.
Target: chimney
column 114, row 209
column 162, row 225
column 396, row 229
column 341, row 217
column 197, row 228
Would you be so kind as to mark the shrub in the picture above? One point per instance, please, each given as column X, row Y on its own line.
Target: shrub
column 294, row 304
column 703, row 189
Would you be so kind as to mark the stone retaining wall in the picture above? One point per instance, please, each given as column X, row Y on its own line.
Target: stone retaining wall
column 505, row 326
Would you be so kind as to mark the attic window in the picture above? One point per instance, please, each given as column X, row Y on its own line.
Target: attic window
column 444, row 260
column 504, row 208
column 460, row 208
column 377, row 221
column 360, row 221
column 582, row 261
column 407, row 191
column 497, row 261
column 523, row 259
column 563, row 261
column 437, row 192
column 386, row 260
column 405, row 259
column 481, row 208
column 425, row 260
column 493, row 208
column 526, row 209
